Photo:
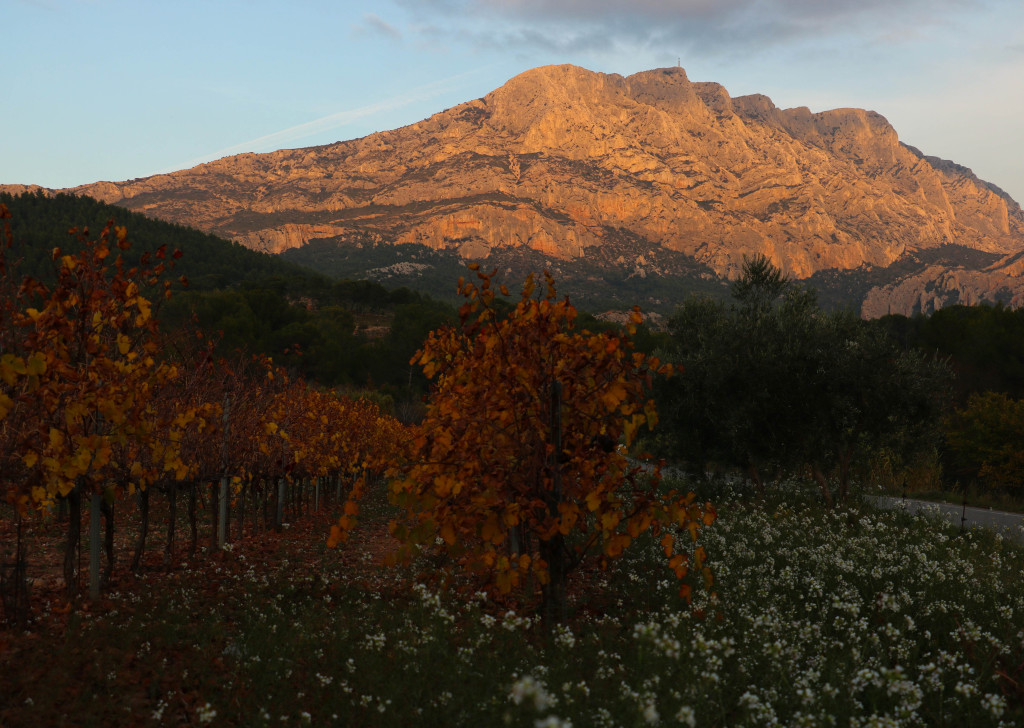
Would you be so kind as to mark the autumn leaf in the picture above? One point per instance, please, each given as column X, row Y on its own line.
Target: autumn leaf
column 483, row 471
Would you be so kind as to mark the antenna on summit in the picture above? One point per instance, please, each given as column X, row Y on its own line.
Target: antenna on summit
column 679, row 62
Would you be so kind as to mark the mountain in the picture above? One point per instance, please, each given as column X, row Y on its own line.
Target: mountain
column 633, row 189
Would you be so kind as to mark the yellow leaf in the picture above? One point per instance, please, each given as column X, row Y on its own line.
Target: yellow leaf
column 491, row 530
column 693, row 528
column 529, row 286
column 338, row 535
column 10, row 366
column 616, row 544
column 448, row 533
column 144, row 311
column 629, row 430
column 36, row 364
column 30, row 458
column 569, row 515
column 613, row 395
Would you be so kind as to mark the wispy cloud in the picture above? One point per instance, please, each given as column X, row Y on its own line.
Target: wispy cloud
column 280, row 139
column 378, row 24
column 710, row 26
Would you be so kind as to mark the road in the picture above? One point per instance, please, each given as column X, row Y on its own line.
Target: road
column 1009, row 524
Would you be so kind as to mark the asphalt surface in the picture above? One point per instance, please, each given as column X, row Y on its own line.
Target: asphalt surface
column 1009, row 524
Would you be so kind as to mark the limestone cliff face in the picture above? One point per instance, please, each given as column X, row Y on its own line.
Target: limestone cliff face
column 938, row 285
column 562, row 160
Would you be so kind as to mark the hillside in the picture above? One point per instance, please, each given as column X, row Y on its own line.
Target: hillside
column 338, row 333
column 41, row 222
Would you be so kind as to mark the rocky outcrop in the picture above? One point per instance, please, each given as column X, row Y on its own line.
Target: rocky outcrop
column 562, row 160
column 937, row 286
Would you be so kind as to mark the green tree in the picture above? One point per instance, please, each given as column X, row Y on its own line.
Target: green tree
column 985, row 441
column 773, row 383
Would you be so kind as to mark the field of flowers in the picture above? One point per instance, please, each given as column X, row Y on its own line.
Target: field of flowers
column 856, row 617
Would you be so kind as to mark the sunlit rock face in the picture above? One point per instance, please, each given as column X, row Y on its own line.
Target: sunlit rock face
column 562, row 160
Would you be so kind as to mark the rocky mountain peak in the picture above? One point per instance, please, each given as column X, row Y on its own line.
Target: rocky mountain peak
column 589, row 169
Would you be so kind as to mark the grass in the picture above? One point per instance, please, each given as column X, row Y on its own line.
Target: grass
column 854, row 617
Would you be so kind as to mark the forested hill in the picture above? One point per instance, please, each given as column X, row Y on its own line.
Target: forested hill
column 41, row 223
column 355, row 334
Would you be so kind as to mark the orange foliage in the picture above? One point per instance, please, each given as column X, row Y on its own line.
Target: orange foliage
column 508, row 496
column 80, row 373
column 87, row 397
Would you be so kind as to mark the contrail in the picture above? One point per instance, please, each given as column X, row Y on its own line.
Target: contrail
column 325, row 123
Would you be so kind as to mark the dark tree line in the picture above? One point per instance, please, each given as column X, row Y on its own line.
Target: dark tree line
column 774, row 385
column 40, row 223
column 983, row 444
column 326, row 335
column 984, row 345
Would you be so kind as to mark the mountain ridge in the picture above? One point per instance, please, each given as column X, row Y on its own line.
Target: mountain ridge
column 599, row 171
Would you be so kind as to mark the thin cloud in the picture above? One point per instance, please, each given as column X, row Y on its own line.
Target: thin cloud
column 709, row 26
column 280, row 139
column 378, row 24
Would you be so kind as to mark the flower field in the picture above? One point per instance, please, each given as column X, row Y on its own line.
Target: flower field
column 855, row 617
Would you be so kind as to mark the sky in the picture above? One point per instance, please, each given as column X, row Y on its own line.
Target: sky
column 117, row 89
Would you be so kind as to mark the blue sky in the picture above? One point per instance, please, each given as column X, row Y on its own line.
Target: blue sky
column 116, row 89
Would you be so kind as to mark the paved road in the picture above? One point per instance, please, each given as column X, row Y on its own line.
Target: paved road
column 1009, row 524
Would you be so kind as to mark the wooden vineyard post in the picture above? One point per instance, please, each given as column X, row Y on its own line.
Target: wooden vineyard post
column 72, row 547
column 553, row 550
column 222, row 515
column 94, row 546
column 279, row 513
column 222, row 502
column 172, row 519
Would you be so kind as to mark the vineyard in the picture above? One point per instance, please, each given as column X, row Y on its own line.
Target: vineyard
column 97, row 405
column 313, row 561
column 516, row 476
